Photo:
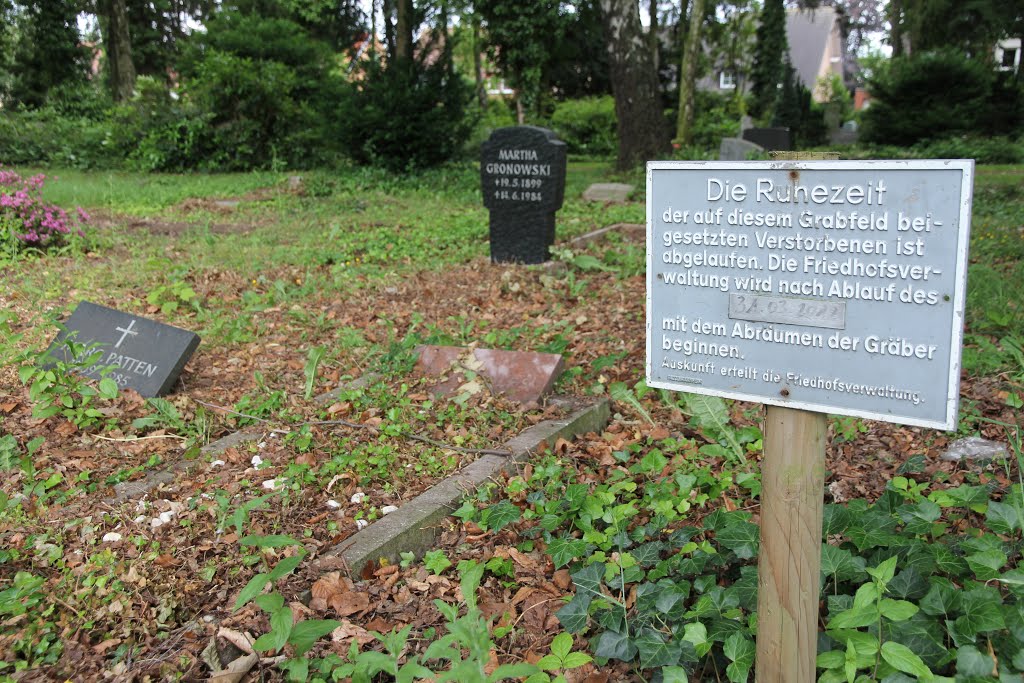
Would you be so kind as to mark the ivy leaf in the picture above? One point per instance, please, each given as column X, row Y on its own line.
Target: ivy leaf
column 697, row 634
column 987, row 565
column 975, row 498
column 565, row 550
column 500, row 515
column 1002, row 518
column 588, row 579
column 925, row 636
column 920, row 517
column 653, row 463
column 972, row 662
column 841, row 563
column 573, row 617
column 835, row 519
column 615, row 645
column 305, row 633
column 674, row 674
column 902, row 658
column 436, row 561
column 654, row 651
column 982, row 612
column 740, row 537
column 946, row 561
column 869, row 536
column 670, row 597
column 908, row 585
column 648, row 554
column 943, row 598
column 740, row 649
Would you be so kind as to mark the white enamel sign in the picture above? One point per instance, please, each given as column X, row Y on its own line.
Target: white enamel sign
column 822, row 285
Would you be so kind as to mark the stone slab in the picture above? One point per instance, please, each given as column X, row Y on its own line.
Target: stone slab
column 521, row 376
column 415, row 526
column 613, row 193
column 736, row 149
column 147, row 356
column 772, row 139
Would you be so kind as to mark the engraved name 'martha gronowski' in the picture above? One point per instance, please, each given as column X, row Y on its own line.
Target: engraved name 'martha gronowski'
column 507, row 155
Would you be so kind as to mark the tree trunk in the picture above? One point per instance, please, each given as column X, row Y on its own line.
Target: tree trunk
column 118, row 44
column 688, row 74
column 641, row 131
column 478, row 64
column 652, row 16
column 403, row 30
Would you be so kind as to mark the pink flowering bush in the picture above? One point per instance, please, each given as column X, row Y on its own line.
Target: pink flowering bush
column 28, row 221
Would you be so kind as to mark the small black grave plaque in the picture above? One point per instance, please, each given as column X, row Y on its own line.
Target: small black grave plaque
column 146, row 355
column 772, row 139
column 522, row 176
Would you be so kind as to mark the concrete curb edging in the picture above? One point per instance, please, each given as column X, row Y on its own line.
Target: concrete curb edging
column 416, row 524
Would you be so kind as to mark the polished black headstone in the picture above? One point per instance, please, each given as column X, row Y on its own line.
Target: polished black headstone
column 142, row 354
column 772, row 139
column 522, row 176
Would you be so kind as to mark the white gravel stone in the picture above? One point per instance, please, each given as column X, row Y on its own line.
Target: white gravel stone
column 358, row 497
column 388, row 509
column 362, row 524
column 111, row 537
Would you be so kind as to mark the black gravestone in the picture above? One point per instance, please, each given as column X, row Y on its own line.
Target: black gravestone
column 772, row 139
column 142, row 354
column 522, row 176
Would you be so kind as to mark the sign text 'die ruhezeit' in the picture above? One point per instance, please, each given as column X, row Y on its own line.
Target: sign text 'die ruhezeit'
column 831, row 286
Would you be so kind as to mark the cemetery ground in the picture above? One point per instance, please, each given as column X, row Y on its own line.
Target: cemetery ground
column 626, row 554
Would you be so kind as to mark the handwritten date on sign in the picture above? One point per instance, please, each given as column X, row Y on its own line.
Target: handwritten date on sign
column 785, row 310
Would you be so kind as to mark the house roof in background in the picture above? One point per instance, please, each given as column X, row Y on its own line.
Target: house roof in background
column 808, row 32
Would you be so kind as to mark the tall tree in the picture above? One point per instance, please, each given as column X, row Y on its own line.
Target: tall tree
column 642, row 129
column 578, row 65
column 118, row 45
column 769, row 55
column 49, row 52
column 8, row 40
column 692, row 48
column 520, row 37
column 404, row 26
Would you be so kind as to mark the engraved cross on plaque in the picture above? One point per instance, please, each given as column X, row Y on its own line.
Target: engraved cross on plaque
column 125, row 331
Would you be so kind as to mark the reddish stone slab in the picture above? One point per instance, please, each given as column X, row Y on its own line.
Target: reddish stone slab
column 521, row 376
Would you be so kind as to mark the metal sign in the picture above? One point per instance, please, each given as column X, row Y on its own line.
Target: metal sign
column 832, row 286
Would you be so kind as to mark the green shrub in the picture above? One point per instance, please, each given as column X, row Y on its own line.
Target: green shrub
column 406, row 116
column 984, row 150
column 498, row 114
column 44, row 136
column 587, row 125
column 935, row 95
column 259, row 92
column 716, row 116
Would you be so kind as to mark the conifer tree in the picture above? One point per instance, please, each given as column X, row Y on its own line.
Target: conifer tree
column 769, row 55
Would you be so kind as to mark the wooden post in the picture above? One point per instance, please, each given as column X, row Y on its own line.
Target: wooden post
column 789, row 563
